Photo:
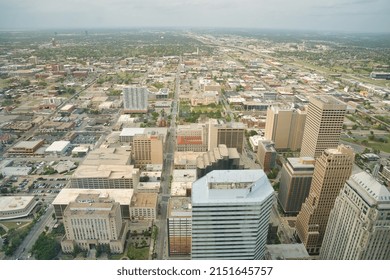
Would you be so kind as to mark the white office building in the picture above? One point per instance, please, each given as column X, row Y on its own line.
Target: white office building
column 135, row 99
column 359, row 223
column 230, row 214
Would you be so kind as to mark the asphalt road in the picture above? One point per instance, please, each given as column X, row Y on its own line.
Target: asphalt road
column 170, row 146
column 24, row 249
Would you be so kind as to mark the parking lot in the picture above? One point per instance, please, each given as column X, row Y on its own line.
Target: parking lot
column 52, row 185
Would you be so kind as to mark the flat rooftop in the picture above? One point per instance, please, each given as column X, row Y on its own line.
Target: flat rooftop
column 123, row 196
column 232, row 186
column 105, row 171
column 27, row 144
column 302, row 163
column 286, row 251
column 179, row 207
column 108, row 156
column 144, row 200
column 57, row 146
column 184, row 175
column 9, row 203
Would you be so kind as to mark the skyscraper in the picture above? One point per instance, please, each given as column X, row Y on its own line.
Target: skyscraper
column 324, row 121
column 135, row 99
column 295, row 181
column 230, row 214
column 359, row 223
column 331, row 171
column 284, row 126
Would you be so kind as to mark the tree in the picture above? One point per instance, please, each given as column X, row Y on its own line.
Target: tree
column 46, row 247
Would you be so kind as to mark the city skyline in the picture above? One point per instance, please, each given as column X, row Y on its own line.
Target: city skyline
column 345, row 16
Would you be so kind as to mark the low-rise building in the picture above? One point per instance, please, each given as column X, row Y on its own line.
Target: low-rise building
column 26, row 148
column 57, row 148
column 143, row 206
column 13, row 207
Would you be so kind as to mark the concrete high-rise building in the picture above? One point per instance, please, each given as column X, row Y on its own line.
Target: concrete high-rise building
column 266, row 155
column 135, row 99
column 93, row 220
column 284, row 126
column 230, row 134
column 179, row 222
column 230, row 215
column 324, row 122
column 295, row 181
column 331, row 171
column 359, row 223
column 147, row 149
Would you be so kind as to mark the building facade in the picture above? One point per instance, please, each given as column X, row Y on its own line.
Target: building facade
column 359, row 223
column 135, row 99
column 230, row 134
column 230, row 215
column 147, row 149
column 179, row 223
column 285, row 127
column 324, row 122
column 191, row 137
column 92, row 220
column 266, row 155
column 295, row 181
column 221, row 158
column 332, row 169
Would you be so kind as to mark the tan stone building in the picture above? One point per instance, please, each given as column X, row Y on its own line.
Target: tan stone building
column 147, row 149
column 284, row 126
column 332, row 169
column 144, row 206
column 92, row 220
column 26, row 148
column 324, row 122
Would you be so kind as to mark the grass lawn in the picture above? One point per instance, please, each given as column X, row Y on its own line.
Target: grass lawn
column 138, row 253
column 385, row 147
column 380, row 146
column 11, row 225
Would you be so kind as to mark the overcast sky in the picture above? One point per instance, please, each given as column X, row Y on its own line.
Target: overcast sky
column 317, row 15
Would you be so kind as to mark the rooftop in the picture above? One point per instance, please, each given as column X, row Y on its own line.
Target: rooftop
column 144, row 200
column 105, row 171
column 369, row 189
column 123, row 196
column 109, row 156
column 57, row 146
column 231, row 186
column 27, row 144
column 287, row 252
column 8, row 203
column 302, row 162
column 179, row 207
